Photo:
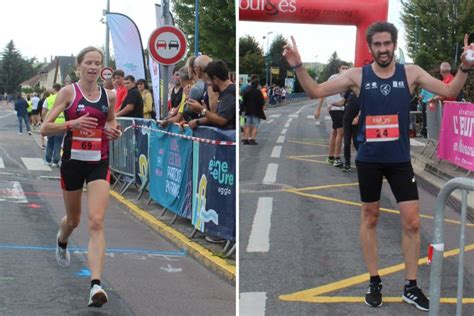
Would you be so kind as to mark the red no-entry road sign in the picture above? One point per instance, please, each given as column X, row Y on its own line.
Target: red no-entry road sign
column 106, row 73
column 167, row 45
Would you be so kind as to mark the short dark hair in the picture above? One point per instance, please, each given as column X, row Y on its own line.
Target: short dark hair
column 343, row 63
column 379, row 27
column 57, row 87
column 130, row 77
column 118, row 72
column 143, row 81
column 217, row 69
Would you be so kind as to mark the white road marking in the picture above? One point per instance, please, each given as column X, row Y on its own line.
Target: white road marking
column 35, row 164
column 259, row 239
column 293, row 115
column 281, row 139
column 11, row 191
column 276, row 152
column 287, row 125
column 269, row 121
column 9, row 114
column 271, row 173
column 310, row 116
column 252, row 303
column 283, row 131
column 414, row 142
column 327, row 117
column 290, row 119
column 2, row 165
column 275, row 115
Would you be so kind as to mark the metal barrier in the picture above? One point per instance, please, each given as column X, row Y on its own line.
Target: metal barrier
column 465, row 185
column 122, row 155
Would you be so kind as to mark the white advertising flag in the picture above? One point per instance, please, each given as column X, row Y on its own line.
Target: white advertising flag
column 155, row 84
column 127, row 43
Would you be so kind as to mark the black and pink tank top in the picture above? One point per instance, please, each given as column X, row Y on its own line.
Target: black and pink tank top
column 80, row 145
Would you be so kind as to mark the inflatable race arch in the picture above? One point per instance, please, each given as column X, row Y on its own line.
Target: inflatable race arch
column 360, row 13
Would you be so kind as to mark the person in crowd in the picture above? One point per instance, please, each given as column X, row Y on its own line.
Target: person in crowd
column 118, row 82
column 40, row 112
column 53, row 146
column 350, row 126
column 218, row 79
column 425, row 98
column 29, row 109
column 21, row 108
column 177, row 114
column 384, row 88
column 176, row 94
column 335, row 105
column 90, row 119
column 252, row 105
column 147, row 98
column 132, row 105
column 200, row 90
column 35, row 117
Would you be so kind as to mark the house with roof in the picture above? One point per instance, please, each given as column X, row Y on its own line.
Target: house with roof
column 57, row 71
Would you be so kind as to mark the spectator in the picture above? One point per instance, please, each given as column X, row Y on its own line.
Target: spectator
column 176, row 114
column 53, row 146
column 132, row 106
column 21, row 108
column 201, row 91
column 118, row 82
column 252, row 104
column 147, row 98
column 425, row 98
column 35, row 117
column 177, row 91
column 218, row 78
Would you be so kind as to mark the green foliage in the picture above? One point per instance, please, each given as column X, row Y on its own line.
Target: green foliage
column 14, row 69
column 216, row 27
column 251, row 60
column 331, row 68
column 437, row 27
column 276, row 52
column 426, row 61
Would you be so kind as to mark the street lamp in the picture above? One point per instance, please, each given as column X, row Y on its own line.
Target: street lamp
column 267, row 59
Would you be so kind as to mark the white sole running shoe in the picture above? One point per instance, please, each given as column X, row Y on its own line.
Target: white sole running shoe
column 63, row 257
column 97, row 296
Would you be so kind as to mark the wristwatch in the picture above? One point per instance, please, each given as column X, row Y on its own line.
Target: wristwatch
column 203, row 112
column 468, row 70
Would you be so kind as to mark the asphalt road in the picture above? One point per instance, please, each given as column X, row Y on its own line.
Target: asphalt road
column 299, row 229
column 144, row 274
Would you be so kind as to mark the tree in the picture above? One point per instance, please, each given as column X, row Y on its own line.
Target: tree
column 14, row 69
column 216, row 27
column 251, row 59
column 436, row 29
column 331, row 68
column 277, row 59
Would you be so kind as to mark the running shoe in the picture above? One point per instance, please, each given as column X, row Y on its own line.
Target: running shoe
column 245, row 141
column 346, row 168
column 373, row 297
column 30, row 133
column 63, row 257
column 330, row 160
column 415, row 296
column 337, row 163
column 252, row 142
column 55, row 165
column 97, row 296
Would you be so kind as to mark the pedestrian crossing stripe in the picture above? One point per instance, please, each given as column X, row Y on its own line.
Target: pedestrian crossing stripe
column 2, row 165
column 314, row 295
column 11, row 191
column 35, row 164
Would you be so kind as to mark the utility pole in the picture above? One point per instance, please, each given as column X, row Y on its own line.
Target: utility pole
column 106, row 53
column 196, row 29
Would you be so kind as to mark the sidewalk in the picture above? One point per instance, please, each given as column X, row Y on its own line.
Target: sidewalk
column 209, row 254
column 434, row 173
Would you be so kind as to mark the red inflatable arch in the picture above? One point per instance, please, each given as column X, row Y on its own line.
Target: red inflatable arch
column 360, row 13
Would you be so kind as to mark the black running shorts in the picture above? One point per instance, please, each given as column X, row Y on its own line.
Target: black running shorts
column 337, row 118
column 400, row 177
column 75, row 172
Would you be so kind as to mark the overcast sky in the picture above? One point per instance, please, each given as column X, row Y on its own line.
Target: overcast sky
column 318, row 42
column 44, row 28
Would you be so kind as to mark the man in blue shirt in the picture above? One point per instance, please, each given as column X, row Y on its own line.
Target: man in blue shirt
column 384, row 90
column 21, row 107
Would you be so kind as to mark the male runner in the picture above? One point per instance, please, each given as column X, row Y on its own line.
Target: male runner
column 384, row 89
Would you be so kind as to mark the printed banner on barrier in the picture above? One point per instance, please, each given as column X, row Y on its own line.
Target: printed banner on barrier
column 171, row 169
column 214, row 196
column 456, row 143
column 142, row 136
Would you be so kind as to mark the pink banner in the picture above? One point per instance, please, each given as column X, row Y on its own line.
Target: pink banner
column 456, row 143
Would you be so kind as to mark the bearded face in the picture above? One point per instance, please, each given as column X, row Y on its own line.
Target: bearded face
column 382, row 49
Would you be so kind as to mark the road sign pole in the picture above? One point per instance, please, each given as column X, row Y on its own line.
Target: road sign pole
column 166, row 15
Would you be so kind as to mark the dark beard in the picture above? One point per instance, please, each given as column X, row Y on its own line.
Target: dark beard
column 389, row 61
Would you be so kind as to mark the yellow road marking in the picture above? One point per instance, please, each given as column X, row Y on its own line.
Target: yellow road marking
column 390, row 299
column 206, row 256
column 307, row 143
column 329, row 186
column 387, row 210
column 312, row 295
